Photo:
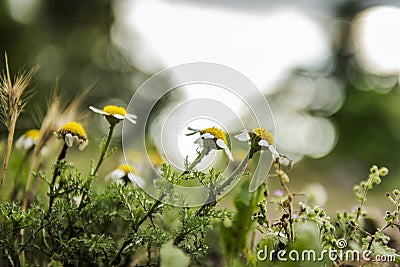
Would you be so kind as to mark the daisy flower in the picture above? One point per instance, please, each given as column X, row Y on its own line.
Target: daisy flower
column 28, row 140
column 72, row 134
column 259, row 139
column 155, row 158
column 114, row 114
column 126, row 173
column 212, row 138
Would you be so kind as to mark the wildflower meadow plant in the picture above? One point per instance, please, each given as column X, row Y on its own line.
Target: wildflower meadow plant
column 259, row 139
column 63, row 215
column 210, row 138
column 126, row 173
column 28, row 140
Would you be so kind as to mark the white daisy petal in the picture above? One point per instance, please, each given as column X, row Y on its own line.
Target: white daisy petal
column 274, row 152
column 118, row 116
column 221, row 143
column 98, row 111
column 83, row 144
column 136, row 179
column 207, row 136
column 263, row 143
column 77, row 140
column 19, row 142
column 28, row 143
column 243, row 136
column 69, row 139
column 131, row 177
column 228, row 153
column 116, row 175
column 131, row 117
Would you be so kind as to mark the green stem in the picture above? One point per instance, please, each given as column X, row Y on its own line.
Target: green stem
column 237, row 173
column 202, row 154
column 128, row 240
column 212, row 196
column 56, row 173
column 135, row 228
column 197, row 160
column 104, row 150
column 103, row 153
column 290, row 207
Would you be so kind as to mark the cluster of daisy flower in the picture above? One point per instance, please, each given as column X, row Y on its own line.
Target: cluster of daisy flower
column 73, row 134
column 213, row 138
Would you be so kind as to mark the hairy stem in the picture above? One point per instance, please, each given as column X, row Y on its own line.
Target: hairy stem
column 212, row 195
column 104, row 150
column 56, row 173
column 290, row 199
column 103, row 154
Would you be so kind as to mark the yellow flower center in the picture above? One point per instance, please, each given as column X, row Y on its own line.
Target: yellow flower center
column 264, row 135
column 155, row 158
column 127, row 168
column 216, row 132
column 34, row 134
column 73, row 128
column 110, row 109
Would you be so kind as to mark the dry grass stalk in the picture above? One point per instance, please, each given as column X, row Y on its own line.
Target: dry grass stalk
column 13, row 97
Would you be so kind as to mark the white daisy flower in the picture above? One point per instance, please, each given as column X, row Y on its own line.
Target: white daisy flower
column 72, row 134
column 28, row 140
column 260, row 139
column 115, row 114
column 212, row 138
column 126, row 173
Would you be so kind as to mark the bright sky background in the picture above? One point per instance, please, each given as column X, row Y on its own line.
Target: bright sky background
column 376, row 36
column 266, row 46
column 262, row 46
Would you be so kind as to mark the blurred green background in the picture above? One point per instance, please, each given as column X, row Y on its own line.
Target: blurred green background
column 336, row 113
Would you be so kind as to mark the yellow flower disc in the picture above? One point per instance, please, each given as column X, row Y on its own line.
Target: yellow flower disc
column 73, row 128
column 110, row 109
column 127, row 168
column 216, row 132
column 264, row 135
column 34, row 134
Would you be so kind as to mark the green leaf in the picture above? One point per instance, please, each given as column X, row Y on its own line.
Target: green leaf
column 234, row 237
column 173, row 256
